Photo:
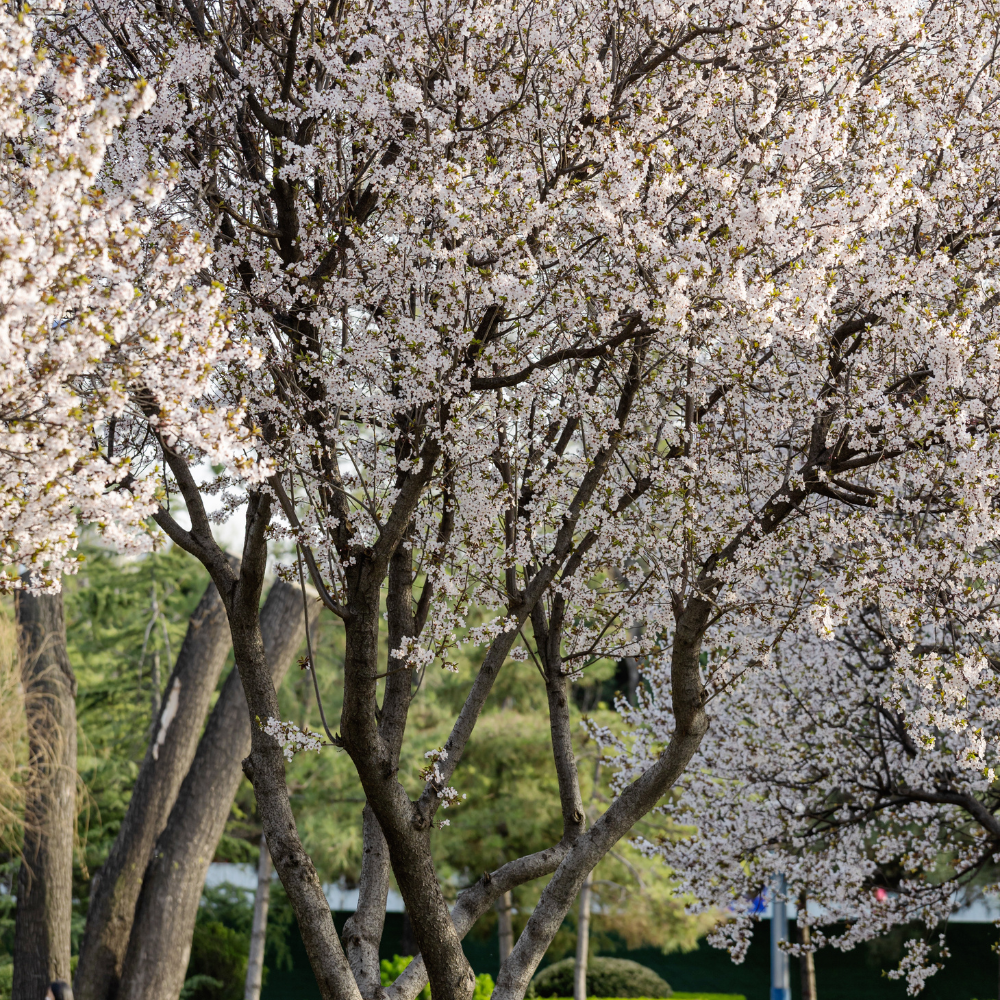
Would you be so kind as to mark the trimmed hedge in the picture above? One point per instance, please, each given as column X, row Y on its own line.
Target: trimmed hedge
column 606, row 977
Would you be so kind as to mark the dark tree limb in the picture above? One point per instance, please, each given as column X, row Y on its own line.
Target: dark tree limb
column 634, row 802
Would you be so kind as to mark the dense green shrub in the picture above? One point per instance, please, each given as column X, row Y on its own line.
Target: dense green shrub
column 606, row 977
column 218, row 966
column 392, row 968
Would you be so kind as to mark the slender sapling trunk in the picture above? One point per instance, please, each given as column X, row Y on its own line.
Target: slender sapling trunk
column 258, row 931
column 582, row 941
column 505, row 926
column 807, row 964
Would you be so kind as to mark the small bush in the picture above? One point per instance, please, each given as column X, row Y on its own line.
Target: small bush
column 606, row 977
column 484, row 987
column 218, row 966
column 392, row 968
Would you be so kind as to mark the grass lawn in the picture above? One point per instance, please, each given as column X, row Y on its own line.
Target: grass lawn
column 709, row 996
column 674, row 996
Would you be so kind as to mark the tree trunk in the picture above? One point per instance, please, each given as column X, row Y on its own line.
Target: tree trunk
column 172, row 745
column 505, row 926
column 807, row 963
column 410, row 854
column 45, row 880
column 160, row 946
column 582, row 941
column 474, row 902
column 362, row 932
column 258, row 932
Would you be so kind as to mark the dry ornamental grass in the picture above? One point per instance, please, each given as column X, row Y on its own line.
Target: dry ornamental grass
column 13, row 739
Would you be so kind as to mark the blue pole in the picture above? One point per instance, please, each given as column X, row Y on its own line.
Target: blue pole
column 780, row 982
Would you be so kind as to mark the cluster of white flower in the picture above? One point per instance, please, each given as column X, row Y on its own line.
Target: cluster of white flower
column 432, row 774
column 916, row 966
column 432, row 771
column 843, row 769
column 291, row 739
column 96, row 309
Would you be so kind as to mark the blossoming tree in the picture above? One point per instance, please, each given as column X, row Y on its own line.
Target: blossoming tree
column 862, row 768
column 98, row 312
column 95, row 307
column 651, row 328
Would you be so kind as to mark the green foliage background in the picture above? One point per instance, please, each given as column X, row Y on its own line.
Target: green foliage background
column 109, row 605
column 508, row 803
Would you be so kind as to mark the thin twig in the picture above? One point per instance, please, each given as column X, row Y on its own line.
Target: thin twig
column 335, row 740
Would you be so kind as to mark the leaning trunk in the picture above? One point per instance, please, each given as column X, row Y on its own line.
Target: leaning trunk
column 258, row 931
column 172, row 745
column 160, row 945
column 582, row 941
column 45, row 881
column 409, row 846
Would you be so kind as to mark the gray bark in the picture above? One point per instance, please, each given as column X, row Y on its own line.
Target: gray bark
column 505, row 926
column 45, row 879
column 258, row 930
column 548, row 639
column 363, row 930
column 265, row 765
column 172, row 744
column 160, row 945
column 582, row 941
column 409, row 846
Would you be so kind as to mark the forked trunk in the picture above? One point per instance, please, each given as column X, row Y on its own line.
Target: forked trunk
column 629, row 807
column 174, row 739
column 451, row 975
column 160, row 944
